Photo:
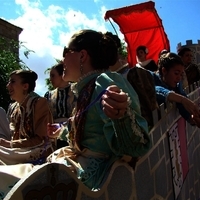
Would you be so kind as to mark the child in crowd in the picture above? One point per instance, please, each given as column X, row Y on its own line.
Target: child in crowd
column 168, row 87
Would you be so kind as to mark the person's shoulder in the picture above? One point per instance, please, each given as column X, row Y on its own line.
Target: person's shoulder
column 34, row 97
column 52, row 91
column 123, row 69
column 191, row 66
column 49, row 93
column 110, row 78
column 41, row 103
column 156, row 77
column 12, row 105
column 109, row 75
column 154, row 66
column 152, row 61
column 42, row 99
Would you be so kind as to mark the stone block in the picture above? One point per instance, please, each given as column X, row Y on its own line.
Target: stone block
column 161, row 180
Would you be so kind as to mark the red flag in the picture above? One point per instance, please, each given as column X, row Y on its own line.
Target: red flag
column 140, row 25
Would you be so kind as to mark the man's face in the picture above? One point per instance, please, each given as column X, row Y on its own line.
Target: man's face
column 141, row 55
column 187, row 57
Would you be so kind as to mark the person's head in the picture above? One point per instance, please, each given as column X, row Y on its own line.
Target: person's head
column 21, row 83
column 56, row 75
column 88, row 50
column 171, row 69
column 164, row 51
column 122, row 58
column 115, row 38
column 141, row 53
column 186, row 55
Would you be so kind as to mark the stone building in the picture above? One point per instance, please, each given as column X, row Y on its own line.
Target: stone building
column 9, row 38
column 9, row 31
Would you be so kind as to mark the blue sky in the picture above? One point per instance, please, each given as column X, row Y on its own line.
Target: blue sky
column 48, row 24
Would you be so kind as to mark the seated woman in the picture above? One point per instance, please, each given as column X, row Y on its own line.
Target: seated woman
column 107, row 123
column 27, row 117
column 61, row 100
column 168, row 87
column 142, row 61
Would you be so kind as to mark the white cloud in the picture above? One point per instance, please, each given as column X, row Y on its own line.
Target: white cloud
column 96, row 1
column 47, row 30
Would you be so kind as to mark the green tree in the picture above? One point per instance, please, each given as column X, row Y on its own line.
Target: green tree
column 9, row 61
column 123, row 50
column 47, row 80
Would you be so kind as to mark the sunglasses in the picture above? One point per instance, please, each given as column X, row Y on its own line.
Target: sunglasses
column 68, row 50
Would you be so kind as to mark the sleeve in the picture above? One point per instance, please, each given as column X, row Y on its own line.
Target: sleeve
column 162, row 94
column 128, row 135
column 42, row 116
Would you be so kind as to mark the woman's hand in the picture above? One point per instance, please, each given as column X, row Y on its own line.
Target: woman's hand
column 114, row 102
column 53, row 130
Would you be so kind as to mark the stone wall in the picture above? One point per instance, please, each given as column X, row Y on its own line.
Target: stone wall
column 154, row 172
column 9, row 31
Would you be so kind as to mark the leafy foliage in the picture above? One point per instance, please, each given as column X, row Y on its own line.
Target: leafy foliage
column 9, row 61
column 123, row 50
column 47, row 80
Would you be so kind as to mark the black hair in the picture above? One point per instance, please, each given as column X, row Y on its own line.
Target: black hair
column 168, row 60
column 115, row 38
column 59, row 68
column 182, row 51
column 143, row 48
column 101, row 48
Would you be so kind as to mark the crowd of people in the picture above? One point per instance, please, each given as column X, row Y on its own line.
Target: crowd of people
column 99, row 111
